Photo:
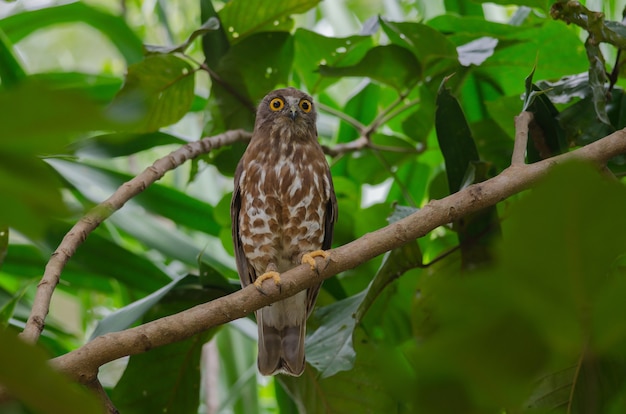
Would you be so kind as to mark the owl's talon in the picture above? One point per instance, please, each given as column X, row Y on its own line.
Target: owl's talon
column 275, row 276
column 309, row 258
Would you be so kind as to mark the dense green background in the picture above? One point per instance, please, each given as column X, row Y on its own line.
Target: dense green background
column 518, row 308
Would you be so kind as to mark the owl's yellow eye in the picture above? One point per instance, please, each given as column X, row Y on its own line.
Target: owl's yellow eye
column 277, row 104
column 306, row 105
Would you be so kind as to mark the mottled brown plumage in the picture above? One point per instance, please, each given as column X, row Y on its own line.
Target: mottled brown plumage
column 283, row 208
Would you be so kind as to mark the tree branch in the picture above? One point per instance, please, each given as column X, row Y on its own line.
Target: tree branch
column 83, row 363
column 78, row 234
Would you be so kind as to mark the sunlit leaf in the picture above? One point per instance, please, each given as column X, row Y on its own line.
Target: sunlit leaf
column 313, row 49
column 434, row 51
column 22, row 24
column 401, row 69
column 239, row 23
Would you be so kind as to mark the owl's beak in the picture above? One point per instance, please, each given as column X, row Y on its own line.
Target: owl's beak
column 293, row 112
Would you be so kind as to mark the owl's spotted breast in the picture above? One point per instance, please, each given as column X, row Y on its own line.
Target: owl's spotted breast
column 282, row 210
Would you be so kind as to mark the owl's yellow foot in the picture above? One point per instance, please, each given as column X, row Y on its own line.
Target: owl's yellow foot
column 310, row 257
column 275, row 276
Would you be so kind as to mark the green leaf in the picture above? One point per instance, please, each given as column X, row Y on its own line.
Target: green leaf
column 22, row 24
column 48, row 392
column 162, row 86
column 401, row 69
column 546, row 135
column 125, row 317
column 313, row 49
column 454, row 137
column 463, row 168
column 239, row 23
column 11, row 71
column 329, row 349
column 395, row 263
column 553, row 390
column 435, row 53
column 214, row 43
column 8, row 308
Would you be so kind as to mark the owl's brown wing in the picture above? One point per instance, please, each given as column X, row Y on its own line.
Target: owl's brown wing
column 246, row 272
column 330, row 217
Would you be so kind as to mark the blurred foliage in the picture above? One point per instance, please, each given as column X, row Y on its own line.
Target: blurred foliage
column 518, row 308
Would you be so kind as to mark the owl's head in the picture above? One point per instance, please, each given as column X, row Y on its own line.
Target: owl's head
column 287, row 111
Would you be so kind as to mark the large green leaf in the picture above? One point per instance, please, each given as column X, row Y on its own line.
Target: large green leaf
column 435, row 53
column 22, row 24
column 160, row 89
column 240, row 23
column 313, row 49
column 129, row 314
column 550, row 298
column 401, row 69
column 47, row 392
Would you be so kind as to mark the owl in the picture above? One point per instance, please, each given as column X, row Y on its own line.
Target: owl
column 283, row 212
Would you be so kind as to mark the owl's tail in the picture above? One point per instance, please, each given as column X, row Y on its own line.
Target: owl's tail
column 281, row 351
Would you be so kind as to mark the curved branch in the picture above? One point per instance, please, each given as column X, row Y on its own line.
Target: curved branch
column 78, row 234
column 83, row 363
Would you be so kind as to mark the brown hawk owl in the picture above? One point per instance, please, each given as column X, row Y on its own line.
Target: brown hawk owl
column 283, row 211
